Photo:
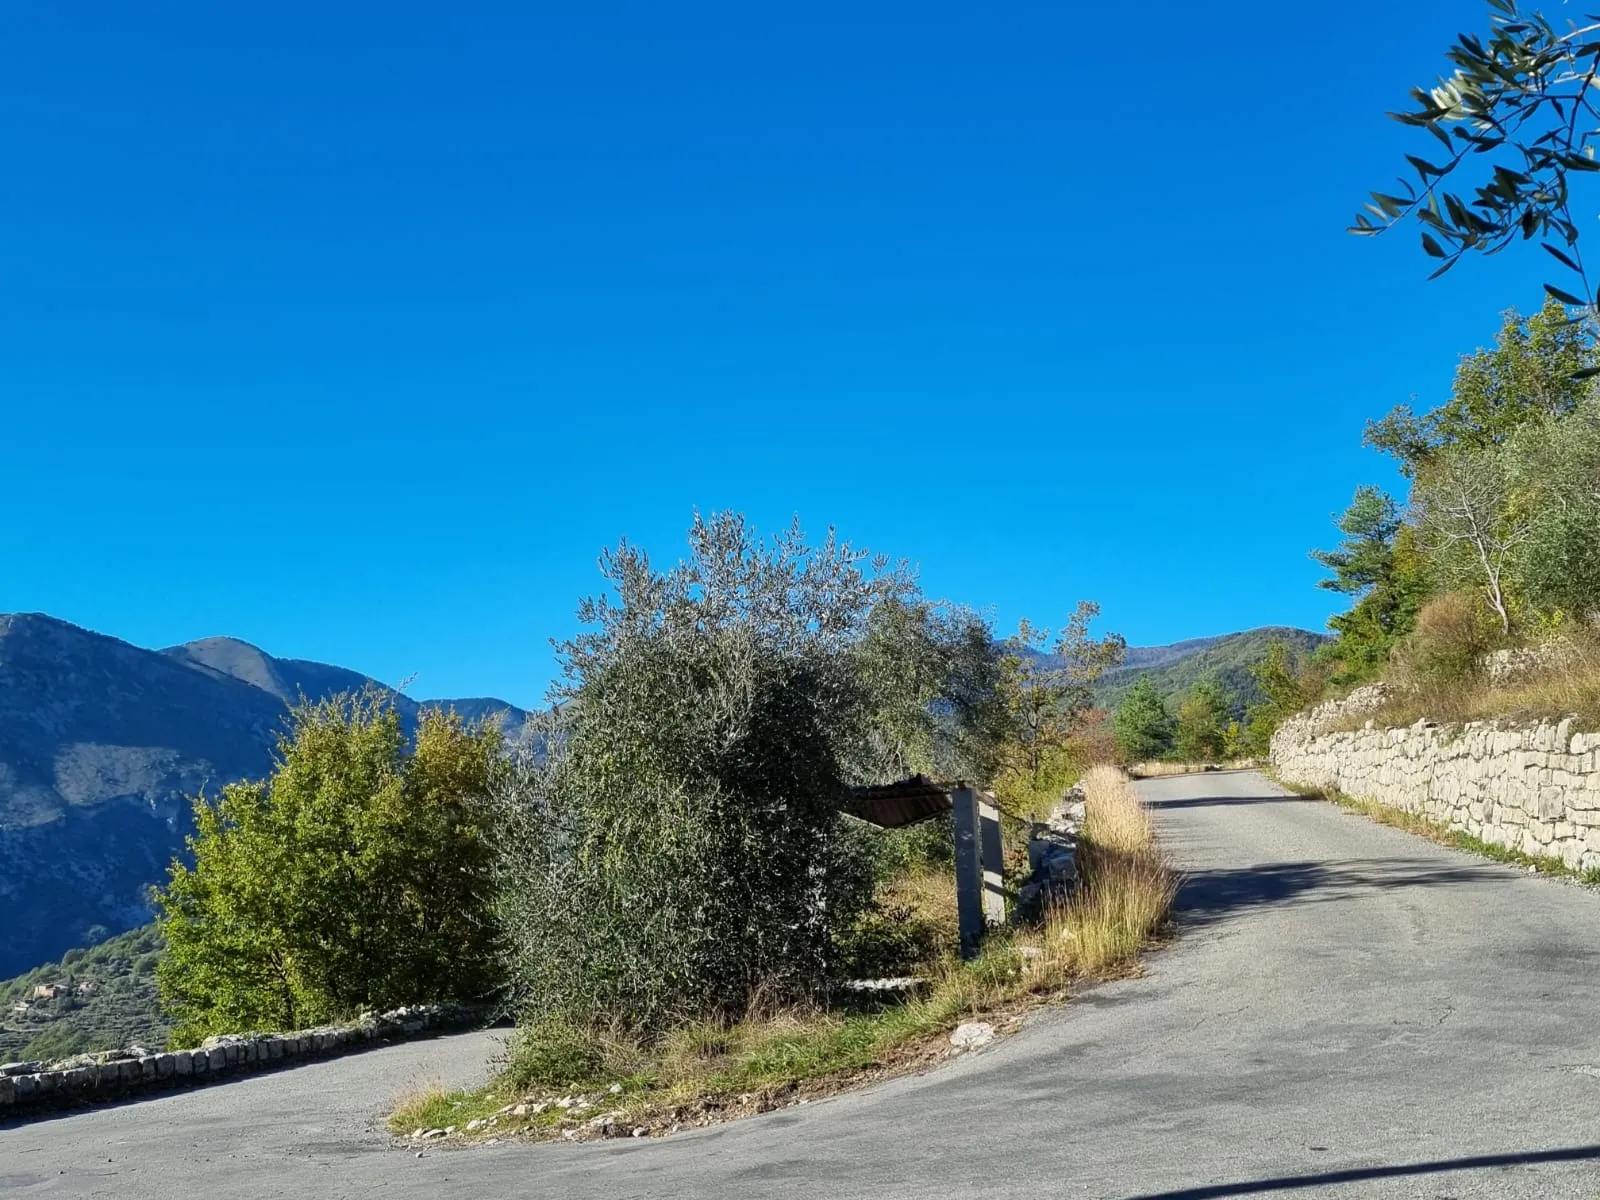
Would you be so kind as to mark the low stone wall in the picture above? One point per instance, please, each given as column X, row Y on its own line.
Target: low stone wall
column 1533, row 788
column 27, row 1087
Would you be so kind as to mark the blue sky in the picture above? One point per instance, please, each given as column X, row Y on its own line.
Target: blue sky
column 358, row 330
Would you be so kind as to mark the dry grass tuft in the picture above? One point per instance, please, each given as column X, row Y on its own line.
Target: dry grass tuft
column 1568, row 686
column 1126, row 888
column 1158, row 768
column 1113, row 819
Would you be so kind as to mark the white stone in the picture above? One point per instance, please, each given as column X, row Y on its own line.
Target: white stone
column 970, row 1035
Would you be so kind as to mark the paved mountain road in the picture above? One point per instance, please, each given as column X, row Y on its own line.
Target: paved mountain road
column 1350, row 1012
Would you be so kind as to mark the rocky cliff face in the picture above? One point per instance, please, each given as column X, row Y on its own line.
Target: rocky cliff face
column 101, row 746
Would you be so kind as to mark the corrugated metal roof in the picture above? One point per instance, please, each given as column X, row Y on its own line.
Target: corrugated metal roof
column 895, row 805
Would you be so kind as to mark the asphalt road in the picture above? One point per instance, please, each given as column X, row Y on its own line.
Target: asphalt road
column 1350, row 1012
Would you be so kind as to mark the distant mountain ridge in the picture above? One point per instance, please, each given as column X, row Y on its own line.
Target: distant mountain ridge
column 1227, row 658
column 102, row 744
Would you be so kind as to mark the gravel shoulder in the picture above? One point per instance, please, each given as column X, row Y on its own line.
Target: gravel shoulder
column 1349, row 1012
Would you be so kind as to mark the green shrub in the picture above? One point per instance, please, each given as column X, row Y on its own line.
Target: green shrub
column 1447, row 647
column 358, row 875
column 553, row 1053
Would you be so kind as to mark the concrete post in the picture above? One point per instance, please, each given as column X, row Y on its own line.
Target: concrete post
column 994, row 865
column 980, row 895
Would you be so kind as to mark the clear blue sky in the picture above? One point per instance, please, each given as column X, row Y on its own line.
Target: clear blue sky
column 357, row 330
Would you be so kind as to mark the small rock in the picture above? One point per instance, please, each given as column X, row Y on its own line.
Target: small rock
column 972, row 1034
column 616, row 1089
column 474, row 1124
column 449, row 1129
column 518, row 1110
column 638, row 1131
column 434, row 1133
column 419, row 1133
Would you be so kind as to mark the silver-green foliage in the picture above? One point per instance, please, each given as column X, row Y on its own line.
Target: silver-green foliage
column 1556, row 468
column 1519, row 106
column 677, row 847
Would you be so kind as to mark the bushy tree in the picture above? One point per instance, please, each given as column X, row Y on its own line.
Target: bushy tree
column 1203, row 720
column 1453, row 634
column 1534, row 372
column 1048, row 685
column 1555, row 473
column 1144, row 728
column 1377, row 563
column 1285, row 691
column 934, row 672
column 681, row 848
column 356, row 875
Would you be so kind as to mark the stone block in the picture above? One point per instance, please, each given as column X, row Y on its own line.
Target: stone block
column 8, row 1090
column 182, row 1063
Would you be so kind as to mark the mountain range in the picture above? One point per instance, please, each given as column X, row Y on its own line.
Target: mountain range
column 102, row 746
column 1176, row 668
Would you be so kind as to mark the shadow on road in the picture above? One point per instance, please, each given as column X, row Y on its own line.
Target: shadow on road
column 1482, row 1162
column 1224, row 801
column 1209, row 896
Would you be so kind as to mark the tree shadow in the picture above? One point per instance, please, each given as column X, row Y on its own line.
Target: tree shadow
column 1225, row 801
column 1320, row 1179
column 1205, row 897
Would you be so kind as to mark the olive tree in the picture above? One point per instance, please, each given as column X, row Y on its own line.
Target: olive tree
column 1555, row 468
column 678, row 848
column 1517, row 119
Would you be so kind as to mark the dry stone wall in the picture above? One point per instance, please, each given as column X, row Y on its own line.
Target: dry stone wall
column 27, row 1087
column 1533, row 788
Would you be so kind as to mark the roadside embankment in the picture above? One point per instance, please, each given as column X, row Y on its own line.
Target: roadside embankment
column 1533, row 788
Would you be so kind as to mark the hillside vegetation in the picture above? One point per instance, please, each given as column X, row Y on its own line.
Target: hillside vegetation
column 99, row 998
column 1226, row 659
column 1477, row 593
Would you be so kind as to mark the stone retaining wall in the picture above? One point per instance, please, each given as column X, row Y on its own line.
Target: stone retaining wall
column 1533, row 788
column 27, row 1087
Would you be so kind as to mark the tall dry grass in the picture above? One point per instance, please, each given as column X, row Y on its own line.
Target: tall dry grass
column 1126, row 887
column 1567, row 686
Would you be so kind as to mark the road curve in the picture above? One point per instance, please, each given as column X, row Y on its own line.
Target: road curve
column 1349, row 1012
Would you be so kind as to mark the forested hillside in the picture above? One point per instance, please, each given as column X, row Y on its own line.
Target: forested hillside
column 102, row 997
column 1226, row 659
